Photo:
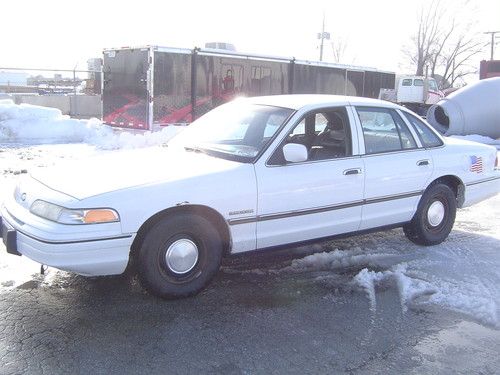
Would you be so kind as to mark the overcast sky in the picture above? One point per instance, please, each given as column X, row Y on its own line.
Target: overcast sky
column 61, row 34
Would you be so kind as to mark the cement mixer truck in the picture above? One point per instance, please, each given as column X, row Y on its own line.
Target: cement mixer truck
column 416, row 93
column 473, row 109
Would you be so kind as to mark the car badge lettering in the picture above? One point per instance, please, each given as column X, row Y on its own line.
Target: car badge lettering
column 241, row 212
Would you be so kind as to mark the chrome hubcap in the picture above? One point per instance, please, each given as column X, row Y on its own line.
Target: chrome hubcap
column 181, row 256
column 435, row 213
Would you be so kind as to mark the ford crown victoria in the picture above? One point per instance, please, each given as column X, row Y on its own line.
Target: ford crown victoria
column 256, row 173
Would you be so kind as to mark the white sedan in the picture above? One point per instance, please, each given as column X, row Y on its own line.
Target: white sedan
column 256, row 173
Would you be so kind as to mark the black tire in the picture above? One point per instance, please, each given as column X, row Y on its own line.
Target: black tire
column 153, row 269
column 420, row 230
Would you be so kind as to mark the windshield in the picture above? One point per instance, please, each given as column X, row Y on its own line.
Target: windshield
column 236, row 131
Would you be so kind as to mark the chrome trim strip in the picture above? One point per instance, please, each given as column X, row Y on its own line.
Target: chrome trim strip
column 245, row 220
column 483, row 181
column 393, row 197
column 309, row 211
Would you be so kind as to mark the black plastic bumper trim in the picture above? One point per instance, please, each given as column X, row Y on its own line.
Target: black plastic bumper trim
column 75, row 241
column 9, row 238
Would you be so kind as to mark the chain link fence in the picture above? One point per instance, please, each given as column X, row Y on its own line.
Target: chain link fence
column 75, row 92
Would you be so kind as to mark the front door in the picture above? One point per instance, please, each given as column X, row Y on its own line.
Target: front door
column 316, row 198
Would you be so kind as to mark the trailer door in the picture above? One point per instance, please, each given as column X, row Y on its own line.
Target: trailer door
column 125, row 95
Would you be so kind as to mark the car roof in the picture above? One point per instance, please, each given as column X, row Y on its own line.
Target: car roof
column 299, row 101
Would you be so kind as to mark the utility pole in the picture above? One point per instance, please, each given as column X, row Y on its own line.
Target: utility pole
column 323, row 35
column 492, row 33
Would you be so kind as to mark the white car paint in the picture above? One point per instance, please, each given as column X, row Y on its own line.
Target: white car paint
column 261, row 205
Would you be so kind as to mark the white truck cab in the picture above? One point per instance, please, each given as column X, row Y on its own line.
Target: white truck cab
column 417, row 93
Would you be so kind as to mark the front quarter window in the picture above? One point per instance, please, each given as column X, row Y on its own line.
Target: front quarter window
column 237, row 131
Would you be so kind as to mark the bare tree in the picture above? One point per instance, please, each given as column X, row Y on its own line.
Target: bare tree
column 454, row 60
column 339, row 47
column 423, row 44
column 442, row 44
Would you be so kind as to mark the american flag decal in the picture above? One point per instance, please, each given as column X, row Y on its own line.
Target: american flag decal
column 476, row 164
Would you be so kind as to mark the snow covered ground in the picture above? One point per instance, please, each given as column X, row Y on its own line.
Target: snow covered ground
column 462, row 274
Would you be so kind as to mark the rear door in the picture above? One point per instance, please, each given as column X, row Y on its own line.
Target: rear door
column 125, row 96
column 397, row 167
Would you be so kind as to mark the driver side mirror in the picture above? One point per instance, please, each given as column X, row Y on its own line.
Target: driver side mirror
column 295, row 152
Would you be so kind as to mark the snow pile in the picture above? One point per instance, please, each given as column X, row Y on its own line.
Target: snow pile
column 342, row 259
column 472, row 299
column 26, row 123
column 445, row 275
column 421, row 278
column 409, row 289
column 29, row 123
column 126, row 140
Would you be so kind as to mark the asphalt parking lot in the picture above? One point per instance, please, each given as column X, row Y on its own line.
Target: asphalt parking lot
column 252, row 320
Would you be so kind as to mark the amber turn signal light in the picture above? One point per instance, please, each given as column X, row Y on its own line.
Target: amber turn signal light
column 100, row 216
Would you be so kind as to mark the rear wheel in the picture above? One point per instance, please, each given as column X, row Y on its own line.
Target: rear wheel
column 434, row 218
column 179, row 256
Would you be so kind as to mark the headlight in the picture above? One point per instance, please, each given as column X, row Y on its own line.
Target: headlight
column 63, row 215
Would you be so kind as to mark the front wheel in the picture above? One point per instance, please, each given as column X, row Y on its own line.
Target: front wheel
column 435, row 216
column 179, row 256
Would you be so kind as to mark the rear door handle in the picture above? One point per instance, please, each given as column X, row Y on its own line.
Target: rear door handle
column 421, row 163
column 352, row 171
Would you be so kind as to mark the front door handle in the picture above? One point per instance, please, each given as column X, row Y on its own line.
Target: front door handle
column 421, row 163
column 352, row 171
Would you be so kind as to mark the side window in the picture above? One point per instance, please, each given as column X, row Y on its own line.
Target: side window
column 332, row 136
column 326, row 134
column 427, row 136
column 384, row 131
column 407, row 82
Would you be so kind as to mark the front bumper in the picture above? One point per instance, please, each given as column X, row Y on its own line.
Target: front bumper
column 89, row 256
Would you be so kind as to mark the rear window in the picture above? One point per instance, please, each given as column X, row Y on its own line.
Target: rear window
column 427, row 136
column 407, row 82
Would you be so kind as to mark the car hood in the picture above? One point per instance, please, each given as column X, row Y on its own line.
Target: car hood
column 125, row 169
